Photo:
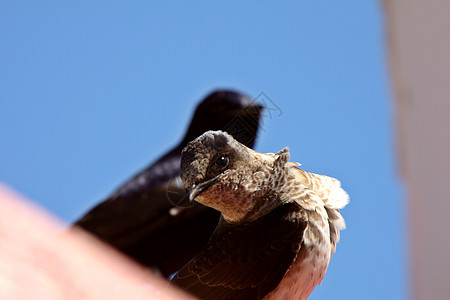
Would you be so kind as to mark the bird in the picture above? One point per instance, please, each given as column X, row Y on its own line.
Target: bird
column 279, row 224
column 148, row 218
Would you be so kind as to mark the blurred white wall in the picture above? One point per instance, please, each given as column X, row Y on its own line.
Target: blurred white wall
column 418, row 40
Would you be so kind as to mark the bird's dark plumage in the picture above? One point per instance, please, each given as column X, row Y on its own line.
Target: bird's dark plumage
column 245, row 261
column 143, row 218
column 279, row 224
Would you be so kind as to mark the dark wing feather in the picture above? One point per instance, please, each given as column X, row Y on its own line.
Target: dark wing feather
column 245, row 261
column 121, row 220
column 136, row 220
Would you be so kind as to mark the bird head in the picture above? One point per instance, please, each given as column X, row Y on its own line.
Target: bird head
column 229, row 111
column 221, row 173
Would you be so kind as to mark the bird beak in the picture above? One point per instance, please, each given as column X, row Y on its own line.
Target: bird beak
column 196, row 189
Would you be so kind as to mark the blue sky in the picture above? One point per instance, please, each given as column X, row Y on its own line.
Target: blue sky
column 93, row 91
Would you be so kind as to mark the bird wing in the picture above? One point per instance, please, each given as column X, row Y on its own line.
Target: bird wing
column 143, row 218
column 135, row 204
column 246, row 261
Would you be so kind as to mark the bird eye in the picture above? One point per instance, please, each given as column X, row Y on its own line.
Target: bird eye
column 222, row 161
